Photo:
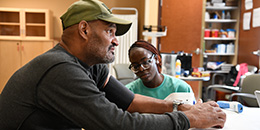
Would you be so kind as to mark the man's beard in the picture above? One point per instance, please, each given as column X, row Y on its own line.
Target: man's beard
column 110, row 57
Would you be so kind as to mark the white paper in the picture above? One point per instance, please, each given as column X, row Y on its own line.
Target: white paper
column 248, row 4
column 246, row 21
column 256, row 18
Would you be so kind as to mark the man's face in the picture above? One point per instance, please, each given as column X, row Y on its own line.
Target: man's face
column 102, row 41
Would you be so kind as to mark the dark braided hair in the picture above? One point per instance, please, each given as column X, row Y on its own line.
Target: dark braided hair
column 148, row 46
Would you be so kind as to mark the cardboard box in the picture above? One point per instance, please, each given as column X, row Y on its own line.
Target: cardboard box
column 219, row 4
column 231, row 2
column 216, row 1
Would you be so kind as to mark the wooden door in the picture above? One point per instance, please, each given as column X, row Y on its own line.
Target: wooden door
column 15, row 54
column 183, row 19
column 31, row 49
column 249, row 40
column 9, row 60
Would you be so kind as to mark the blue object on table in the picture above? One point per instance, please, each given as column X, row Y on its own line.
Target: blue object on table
column 233, row 105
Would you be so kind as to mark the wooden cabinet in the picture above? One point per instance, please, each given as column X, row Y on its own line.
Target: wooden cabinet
column 221, row 22
column 25, row 24
column 24, row 34
column 15, row 54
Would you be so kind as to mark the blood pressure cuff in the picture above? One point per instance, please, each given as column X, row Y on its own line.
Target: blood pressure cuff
column 117, row 93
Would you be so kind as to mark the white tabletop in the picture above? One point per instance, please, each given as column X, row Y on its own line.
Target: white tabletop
column 190, row 78
column 249, row 119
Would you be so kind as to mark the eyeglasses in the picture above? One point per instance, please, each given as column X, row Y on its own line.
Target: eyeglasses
column 145, row 65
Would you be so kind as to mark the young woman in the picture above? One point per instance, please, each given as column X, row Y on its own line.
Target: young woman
column 146, row 63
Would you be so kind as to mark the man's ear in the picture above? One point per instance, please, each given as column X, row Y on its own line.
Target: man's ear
column 83, row 29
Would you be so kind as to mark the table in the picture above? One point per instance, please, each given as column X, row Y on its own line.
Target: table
column 219, row 71
column 190, row 78
column 247, row 120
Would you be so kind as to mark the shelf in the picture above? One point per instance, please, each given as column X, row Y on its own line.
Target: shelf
column 221, row 8
column 221, row 46
column 219, row 38
column 219, row 54
column 9, row 23
column 35, row 24
column 221, row 20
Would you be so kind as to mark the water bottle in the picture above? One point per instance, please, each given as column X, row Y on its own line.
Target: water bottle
column 228, row 16
column 223, row 14
column 178, row 68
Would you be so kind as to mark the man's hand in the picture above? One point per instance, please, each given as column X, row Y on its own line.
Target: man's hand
column 205, row 115
column 185, row 107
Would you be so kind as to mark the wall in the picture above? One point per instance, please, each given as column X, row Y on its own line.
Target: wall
column 151, row 15
column 151, row 12
column 249, row 39
column 58, row 7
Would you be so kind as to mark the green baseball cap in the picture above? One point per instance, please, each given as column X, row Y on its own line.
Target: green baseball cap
column 89, row 10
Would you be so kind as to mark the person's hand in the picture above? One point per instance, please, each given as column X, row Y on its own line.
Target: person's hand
column 205, row 115
column 185, row 107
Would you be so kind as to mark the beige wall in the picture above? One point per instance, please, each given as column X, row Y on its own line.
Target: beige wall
column 151, row 12
column 153, row 17
column 58, row 7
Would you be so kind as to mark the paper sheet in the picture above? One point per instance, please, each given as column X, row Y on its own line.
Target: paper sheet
column 246, row 21
column 248, row 4
column 256, row 18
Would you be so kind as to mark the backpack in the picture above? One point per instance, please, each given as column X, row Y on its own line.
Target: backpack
column 231, row 77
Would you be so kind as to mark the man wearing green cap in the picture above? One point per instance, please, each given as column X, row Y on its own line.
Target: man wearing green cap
column 69, row 87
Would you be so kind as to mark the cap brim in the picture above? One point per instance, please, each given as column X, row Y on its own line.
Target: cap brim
column 122, row 25
column 122, row 29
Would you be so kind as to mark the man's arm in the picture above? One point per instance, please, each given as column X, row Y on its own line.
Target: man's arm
column 145, row 104
column 124, row 98
column 200, row 115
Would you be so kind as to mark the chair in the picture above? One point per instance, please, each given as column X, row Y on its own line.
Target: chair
column 246, row 95
column 123, row 74
column 210, row 91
